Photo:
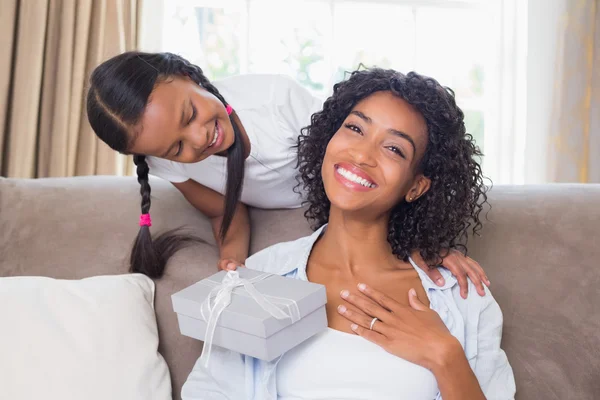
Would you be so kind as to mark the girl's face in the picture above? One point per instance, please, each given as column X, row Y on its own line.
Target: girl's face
column 371, row 162
column 182, row 122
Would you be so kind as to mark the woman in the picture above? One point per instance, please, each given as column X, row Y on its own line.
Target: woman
column 389, row 170
column 217, row 143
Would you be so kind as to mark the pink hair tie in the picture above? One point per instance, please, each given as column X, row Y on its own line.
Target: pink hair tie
column 229, row 109
column 145, row 220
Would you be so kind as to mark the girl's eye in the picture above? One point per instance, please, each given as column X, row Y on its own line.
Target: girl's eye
column 193, row 116
column 396, row 150
column 353, row 128
column 179, row 149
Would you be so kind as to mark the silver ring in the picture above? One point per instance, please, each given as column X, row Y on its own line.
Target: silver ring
column 373, row 323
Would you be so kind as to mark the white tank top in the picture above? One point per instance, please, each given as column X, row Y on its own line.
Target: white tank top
column 335, row 365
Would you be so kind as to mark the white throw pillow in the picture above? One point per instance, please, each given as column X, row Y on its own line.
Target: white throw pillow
column 89, row 339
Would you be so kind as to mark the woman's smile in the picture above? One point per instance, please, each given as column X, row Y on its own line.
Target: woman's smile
column 353, row 178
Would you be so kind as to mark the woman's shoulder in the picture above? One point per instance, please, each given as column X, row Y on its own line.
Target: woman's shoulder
column 474, row 300
column 470, row 306
column 474, row 307
column 447, row 301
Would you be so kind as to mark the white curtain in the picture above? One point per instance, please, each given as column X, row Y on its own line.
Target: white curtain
column 563, row 92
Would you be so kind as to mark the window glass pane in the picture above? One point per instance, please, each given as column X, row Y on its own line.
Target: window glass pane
column 379, row 35
column 289, row 37
column 316, row 42
column 451, row 47
column 207, row 36
column 474, row 122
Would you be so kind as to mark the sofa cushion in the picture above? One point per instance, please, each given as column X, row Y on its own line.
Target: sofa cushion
column 92, row 339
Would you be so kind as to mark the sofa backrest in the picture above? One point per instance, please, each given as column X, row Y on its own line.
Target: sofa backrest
column 539, row 246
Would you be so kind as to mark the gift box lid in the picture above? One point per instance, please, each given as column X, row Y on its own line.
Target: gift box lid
column 244, row 313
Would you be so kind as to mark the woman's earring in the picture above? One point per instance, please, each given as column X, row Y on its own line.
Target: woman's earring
column 410, row 199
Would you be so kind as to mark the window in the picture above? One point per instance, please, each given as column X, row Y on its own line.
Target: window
column 318, row 41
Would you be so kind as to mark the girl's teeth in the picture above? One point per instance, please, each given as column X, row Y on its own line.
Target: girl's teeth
column 215, row 137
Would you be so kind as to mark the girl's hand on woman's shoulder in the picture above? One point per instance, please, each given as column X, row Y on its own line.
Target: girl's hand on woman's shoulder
column 415, row 332
column 228, row 264
column 461, row 267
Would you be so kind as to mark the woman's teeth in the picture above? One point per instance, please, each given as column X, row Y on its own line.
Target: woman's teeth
column 355, row 178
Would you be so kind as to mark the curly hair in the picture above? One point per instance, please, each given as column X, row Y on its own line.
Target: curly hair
column 441, row 218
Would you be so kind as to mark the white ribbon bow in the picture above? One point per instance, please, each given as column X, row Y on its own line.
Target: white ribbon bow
column 211, row 309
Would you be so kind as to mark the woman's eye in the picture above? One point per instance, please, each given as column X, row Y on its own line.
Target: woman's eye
column 179, row 149
column 396, row 150
column 353, row 128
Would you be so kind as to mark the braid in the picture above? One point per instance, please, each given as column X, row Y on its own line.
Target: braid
column 149, row 256
column 142, row 177
column 144, row 257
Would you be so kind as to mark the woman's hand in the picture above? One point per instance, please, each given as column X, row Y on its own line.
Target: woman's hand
column 461, row 266
column 415, row 333
column 228, row 264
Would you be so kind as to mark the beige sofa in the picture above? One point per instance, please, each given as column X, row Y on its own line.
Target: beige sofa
column 540, row 247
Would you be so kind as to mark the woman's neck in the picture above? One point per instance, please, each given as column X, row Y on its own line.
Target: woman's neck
column 356, row 244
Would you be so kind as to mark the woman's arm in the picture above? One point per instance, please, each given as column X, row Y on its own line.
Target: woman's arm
column 212, row 204
column 490, row 365
column 454, row 375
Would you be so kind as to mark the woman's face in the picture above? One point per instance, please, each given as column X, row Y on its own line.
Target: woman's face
column 371, row 161
column 183, row 122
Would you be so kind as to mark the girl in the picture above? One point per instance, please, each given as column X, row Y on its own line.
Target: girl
column 389, row 170
column 217, row 143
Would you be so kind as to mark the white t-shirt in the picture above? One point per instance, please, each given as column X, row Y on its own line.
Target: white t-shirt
column 273, row 110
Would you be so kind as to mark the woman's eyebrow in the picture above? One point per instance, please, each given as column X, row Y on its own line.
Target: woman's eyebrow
column 403, row 135
column 361, row 116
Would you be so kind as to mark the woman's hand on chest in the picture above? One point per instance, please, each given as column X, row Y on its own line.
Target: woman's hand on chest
column 410, row 331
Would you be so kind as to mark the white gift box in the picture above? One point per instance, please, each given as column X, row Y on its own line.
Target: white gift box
column 251, row 312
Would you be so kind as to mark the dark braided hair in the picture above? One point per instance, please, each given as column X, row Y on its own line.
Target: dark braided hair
column 119, row 91
column 441, row 218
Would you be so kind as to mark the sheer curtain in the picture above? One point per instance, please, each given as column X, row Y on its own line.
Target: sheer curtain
column 563, row 127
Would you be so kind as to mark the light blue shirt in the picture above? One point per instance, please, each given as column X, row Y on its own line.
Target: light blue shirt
column 476, row 322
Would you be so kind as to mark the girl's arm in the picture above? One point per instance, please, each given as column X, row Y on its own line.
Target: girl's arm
column 212, row 204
